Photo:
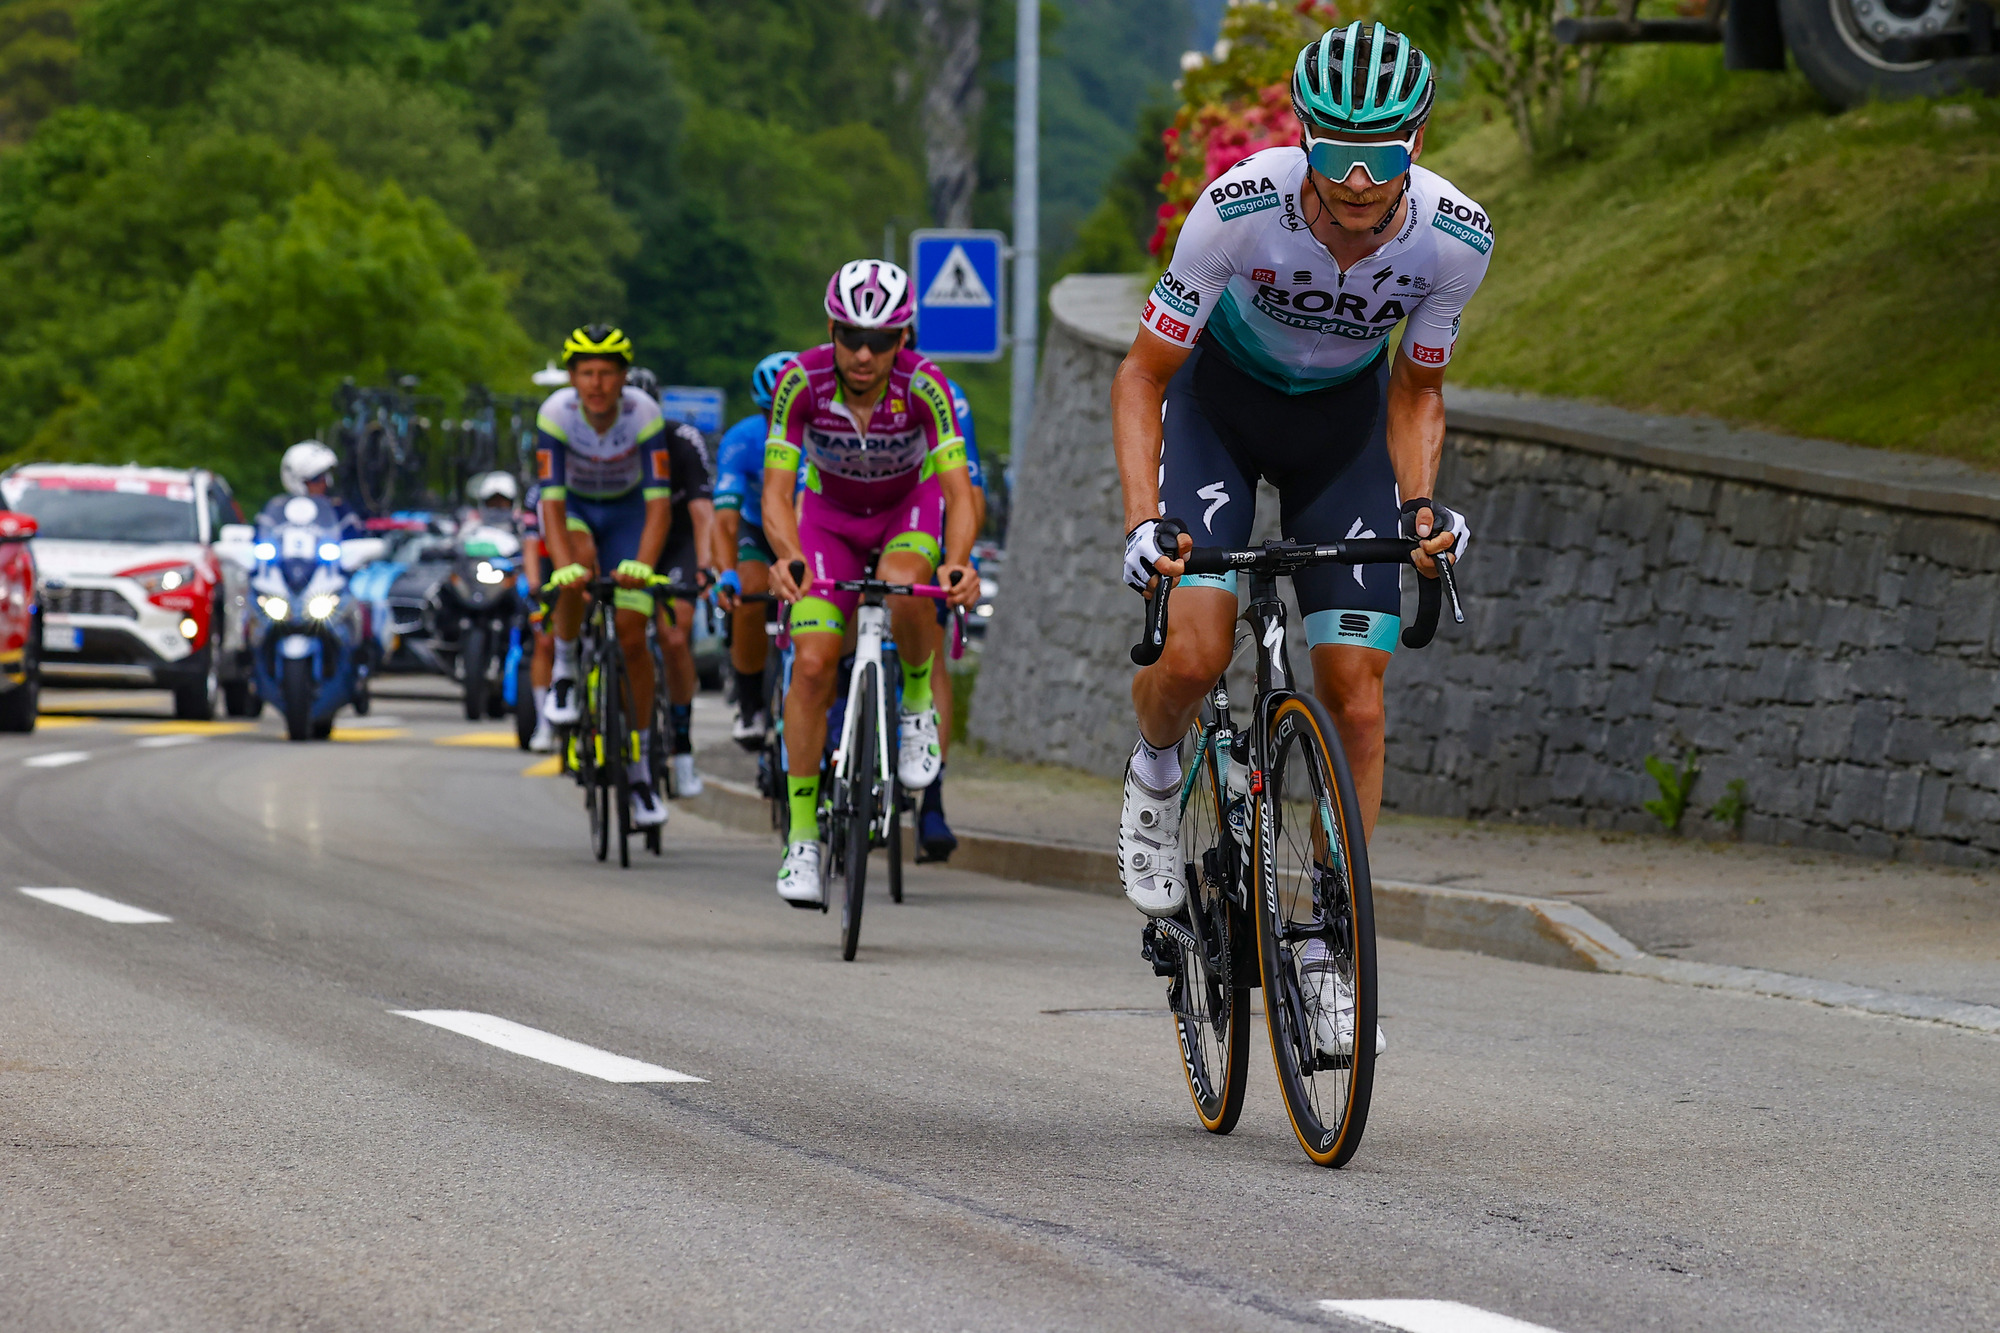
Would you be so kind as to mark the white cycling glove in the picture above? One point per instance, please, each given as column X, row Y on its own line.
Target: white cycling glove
column 1142, row 548
column 1443, row 519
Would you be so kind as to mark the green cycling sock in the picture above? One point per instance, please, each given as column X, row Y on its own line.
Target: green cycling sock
column 805, row 807
column 917, row 686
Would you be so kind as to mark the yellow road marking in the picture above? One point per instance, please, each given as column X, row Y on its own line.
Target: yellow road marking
column 189, row 728
column 543, row 768
column 498, row 740
column 368, row 733
column 43, row 720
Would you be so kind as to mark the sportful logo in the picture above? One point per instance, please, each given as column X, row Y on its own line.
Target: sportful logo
column 1233, row 199
column 1467, row 224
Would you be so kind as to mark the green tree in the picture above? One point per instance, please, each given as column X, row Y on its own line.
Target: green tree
column 612, row 103
column 38, row 55
column 163, row 54
column 536, row 217
column 326, row 288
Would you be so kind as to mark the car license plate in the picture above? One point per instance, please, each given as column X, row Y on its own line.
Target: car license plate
column 62, row 639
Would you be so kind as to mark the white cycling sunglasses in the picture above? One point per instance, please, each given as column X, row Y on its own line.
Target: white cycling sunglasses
column 1383, row 161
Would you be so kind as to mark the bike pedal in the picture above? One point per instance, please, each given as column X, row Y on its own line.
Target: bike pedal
column 1158, row 951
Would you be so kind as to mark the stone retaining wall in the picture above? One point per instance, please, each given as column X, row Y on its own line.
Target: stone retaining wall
column 1815, row 620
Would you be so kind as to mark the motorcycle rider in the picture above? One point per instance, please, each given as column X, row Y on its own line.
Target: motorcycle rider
column 307, row 469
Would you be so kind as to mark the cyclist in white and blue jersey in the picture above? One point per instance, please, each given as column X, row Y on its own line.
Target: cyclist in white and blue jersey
column 1297, row 264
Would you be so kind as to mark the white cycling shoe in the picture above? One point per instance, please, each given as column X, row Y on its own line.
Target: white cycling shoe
column 1149, row 848
column 544, row 739
column 798, row 877
column 748, row 732
column 648, row 810
column 687, row 782
column 562, row 708
column 1330, row 1003
column 918, row 760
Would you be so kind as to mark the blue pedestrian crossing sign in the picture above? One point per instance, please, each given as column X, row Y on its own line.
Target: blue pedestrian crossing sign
column 960, row 293
column 699, row 406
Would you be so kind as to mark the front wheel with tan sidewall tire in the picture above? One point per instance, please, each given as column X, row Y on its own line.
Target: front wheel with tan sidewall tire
column 1312, row 886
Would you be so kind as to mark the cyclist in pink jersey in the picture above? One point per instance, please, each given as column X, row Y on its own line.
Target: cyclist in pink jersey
column 872, row 423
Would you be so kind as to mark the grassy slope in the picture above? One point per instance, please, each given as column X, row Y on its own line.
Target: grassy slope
column 1721, row 244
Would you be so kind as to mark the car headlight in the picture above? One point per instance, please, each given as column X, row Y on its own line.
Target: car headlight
column 984, row 610
column 324, row 605
column 156, row 581
column 276, row 607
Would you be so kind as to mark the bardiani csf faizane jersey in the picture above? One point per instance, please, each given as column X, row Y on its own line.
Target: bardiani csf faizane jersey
column 912, row 433
column 1249, row 271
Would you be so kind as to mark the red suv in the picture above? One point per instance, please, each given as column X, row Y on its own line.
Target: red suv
column 20, row 627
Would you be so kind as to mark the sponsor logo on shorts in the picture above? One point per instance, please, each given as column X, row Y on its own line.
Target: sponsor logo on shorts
column 1427, row 356
column 1354, row 625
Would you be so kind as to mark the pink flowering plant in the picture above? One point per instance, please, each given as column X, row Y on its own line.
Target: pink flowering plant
column 1236, row 98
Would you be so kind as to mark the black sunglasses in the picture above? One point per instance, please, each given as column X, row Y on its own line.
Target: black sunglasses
column 877, row 341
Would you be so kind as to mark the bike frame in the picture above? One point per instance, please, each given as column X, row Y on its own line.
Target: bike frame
column 871, row 637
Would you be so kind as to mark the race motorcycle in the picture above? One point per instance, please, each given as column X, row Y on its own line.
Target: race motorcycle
column 308, row 635
column 481, row 604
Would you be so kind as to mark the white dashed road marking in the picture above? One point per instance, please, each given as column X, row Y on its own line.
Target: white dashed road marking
column 546, row 1047
column 56, row 758
column 91, row 904
column 168, row 742
column 1429, row 1317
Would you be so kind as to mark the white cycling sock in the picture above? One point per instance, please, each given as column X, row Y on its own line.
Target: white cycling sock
column 640, row 770
column 566, row 657
column 541, row 697
column 1157, row 769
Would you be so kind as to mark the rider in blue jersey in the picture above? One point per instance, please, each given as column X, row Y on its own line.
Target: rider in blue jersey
column 742, row 554
column 935, row 841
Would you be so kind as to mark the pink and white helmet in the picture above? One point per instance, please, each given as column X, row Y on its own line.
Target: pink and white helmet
column 871, row 294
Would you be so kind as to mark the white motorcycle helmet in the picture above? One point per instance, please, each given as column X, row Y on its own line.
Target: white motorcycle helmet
column 305, row 462
column 488, row 485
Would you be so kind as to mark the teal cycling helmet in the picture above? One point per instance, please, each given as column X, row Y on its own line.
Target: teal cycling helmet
column 764, row 379
column 1362, row 81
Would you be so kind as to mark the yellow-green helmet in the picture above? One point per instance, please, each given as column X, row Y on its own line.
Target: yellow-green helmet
column 1362, row 81
column 597, row 340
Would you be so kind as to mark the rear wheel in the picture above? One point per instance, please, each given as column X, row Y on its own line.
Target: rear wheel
column 895, row 843
column 1314, row 906
column 859, row 816
column 472, row 663
column 1209, row 992
column 1852, row 50
column 609, row 691
column 20, row 706
column 299, row 689
column 240, row 698
column 524, row 699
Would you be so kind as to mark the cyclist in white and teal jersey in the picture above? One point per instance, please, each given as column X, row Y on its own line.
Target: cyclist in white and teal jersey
column 603, row 465
column 1293, row 269
column 742, row 554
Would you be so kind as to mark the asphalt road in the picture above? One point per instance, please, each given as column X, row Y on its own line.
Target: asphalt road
column 223, row 1120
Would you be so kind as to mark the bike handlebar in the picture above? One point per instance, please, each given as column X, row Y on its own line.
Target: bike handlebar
column 1289, row 557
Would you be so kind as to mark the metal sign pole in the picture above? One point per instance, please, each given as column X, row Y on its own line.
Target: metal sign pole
column 1027, row 206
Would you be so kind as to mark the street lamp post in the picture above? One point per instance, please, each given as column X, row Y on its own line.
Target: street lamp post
column 1027, row 206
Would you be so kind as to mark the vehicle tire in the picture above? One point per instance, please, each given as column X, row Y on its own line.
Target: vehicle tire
column 323, row 729
column 859, row 815
column 20, row 706
column 524, row 701
column 472, row 666
column 1841, row 57
column 1315, row 885
column 1209, row 988
column 239, row 698
column 199, row 699
column 299, row 690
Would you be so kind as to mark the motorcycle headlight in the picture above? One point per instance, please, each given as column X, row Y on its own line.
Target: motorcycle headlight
column 486, row 573
column 276, row 607
column 329, row 551
column 323, row 606
column 265, row 550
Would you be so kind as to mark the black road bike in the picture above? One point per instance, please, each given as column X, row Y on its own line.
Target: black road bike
column 1275, row 860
